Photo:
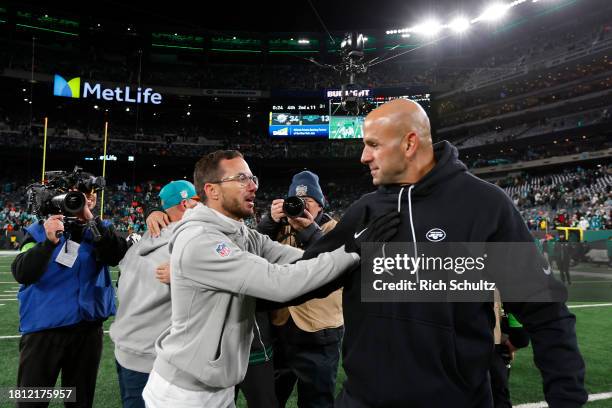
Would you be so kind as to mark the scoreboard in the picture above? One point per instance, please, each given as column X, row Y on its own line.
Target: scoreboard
column 299, row 120
column 323, row 116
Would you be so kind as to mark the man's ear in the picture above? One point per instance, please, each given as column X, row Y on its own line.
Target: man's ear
column 412, row 144
column 210, row 191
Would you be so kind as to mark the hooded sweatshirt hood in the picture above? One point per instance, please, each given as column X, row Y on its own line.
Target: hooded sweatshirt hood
column 205, row 215
column 446, row 168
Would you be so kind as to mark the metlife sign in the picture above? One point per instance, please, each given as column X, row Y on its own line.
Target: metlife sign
column 72, row 89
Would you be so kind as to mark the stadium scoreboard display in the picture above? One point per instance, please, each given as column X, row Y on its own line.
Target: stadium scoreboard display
column 299, row 119
column 324, row 117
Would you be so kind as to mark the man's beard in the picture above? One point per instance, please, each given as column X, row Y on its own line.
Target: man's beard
column 234, row 208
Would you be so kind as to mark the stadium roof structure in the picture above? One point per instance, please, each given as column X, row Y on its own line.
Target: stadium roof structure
column 266, row 16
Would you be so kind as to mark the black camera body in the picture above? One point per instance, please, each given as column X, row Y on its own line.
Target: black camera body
column 56, row 197
column 294, row 206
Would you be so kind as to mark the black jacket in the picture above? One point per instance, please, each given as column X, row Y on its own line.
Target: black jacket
column 437, row 354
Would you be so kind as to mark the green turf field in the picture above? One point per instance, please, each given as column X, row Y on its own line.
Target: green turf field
column 594, row 328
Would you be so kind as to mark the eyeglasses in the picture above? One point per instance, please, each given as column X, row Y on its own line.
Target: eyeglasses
column 242, row 178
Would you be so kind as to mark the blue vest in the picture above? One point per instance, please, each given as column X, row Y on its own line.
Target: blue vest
column 65, row 296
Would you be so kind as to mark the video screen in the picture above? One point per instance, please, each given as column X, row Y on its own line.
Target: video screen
column 328, row 117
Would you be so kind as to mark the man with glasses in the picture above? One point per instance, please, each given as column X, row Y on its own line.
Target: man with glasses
column 219, row 268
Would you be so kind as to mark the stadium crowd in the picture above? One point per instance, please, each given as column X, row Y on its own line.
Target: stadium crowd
column 575, row 198
column 560, row 198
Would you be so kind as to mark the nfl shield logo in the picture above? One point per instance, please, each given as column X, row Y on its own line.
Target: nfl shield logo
column 301, row 190
column 223, row 250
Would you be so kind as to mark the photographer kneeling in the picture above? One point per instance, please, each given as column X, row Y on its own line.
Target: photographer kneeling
column 66, row 290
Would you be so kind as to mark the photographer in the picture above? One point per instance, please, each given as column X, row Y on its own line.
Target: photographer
column 66, row 291
column 309, row 335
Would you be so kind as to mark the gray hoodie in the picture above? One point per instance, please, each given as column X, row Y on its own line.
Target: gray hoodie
column 219, row 266
column 144, row 302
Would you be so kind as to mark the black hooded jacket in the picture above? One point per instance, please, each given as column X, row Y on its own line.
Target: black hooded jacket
column 428, row 355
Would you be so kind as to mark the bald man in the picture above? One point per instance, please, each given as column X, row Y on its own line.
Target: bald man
column 401, row 354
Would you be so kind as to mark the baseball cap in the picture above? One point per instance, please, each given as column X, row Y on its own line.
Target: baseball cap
column 175, row 192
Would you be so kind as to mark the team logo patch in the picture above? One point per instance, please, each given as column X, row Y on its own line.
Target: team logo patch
column 435, row 235
column 184, row 193
column 301, row 190
column 223, row 250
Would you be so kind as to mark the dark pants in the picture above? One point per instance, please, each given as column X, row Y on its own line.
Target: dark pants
column 311, row 360
column 500, row 375
column 131, row 384
column 258, row 386
column 564, row 268
column 74, row 351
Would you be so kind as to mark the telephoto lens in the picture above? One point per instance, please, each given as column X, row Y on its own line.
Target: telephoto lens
column 69, row 203
column 293, row 206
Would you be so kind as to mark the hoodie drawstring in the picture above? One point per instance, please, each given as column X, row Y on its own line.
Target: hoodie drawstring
column 261, row 341
column 399, row 208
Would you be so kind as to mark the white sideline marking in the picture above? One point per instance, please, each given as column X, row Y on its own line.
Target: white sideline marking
column 19, row 335
column 595, row 305
column 10, row 291
column 2, row 304
column 543, row 404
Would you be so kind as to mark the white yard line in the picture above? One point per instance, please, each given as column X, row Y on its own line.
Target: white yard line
column 593, row 305
column 543, row 404
column 19, row 335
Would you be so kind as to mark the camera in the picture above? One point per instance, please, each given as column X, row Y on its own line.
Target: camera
column 294, row 206
column 55, row 196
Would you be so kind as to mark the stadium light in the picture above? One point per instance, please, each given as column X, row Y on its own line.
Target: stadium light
column 304, row 41
column 429, row 28
column 406, row 35
column 494, row 12
column 459, row 25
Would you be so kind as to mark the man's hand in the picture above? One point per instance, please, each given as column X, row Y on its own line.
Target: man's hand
column 162, row 273
column 511, row 347
column 90, row 202
column 54, row 224
column 301, row 223
column 381, row 229
column 156, row 221
column 276, row 210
